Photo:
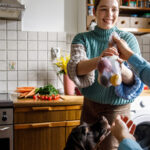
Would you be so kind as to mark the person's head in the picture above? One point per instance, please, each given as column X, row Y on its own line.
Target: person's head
column 106, row 13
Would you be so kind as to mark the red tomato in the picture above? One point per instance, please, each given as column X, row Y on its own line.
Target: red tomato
column 56, row 97
column 42, row 97
column 34, row 97
column 38, row 96
column 50, row 98
column 53, row 96
column 45, row 97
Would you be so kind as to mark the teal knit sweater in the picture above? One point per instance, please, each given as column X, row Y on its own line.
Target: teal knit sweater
column 94, row 42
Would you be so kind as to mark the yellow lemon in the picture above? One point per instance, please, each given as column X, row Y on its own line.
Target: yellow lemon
column 114, row 79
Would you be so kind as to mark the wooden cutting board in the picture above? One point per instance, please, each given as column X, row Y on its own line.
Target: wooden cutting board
column 72, row 98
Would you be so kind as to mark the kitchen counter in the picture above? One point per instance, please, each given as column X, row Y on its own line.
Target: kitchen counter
column 145, row 93
column 64, row 100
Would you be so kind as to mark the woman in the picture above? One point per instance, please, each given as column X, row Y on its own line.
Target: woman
column 139, row 64
column 86, row 50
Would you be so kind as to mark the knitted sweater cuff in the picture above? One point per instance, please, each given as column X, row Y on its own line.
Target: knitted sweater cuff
column 78, row 54
column 130, row 92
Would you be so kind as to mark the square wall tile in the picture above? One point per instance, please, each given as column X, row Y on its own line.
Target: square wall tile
column 32, row 55
column 19, row 25
column 62, row 36
column 146, row 41
column 3, row 75
column 52, row 75
column 22, row 75
column 22, row 35
column 2, row 45
column 32, row 75
column 52, row 36
column 53, row 82
column 22, row 83
column 146, row 56
column 22, row 55
column 51, row 66
column 32, row 65
column 42, row 36
column 12, row 35
column 12, row 65
column 12, row 45
column 2, row 24
column 32, row 45
column 42, row 75
column 42, row 65
column 11, row 25
column 42, row 55
column 41, row 83
column 52, row 44
column 12, row 55
column 3, row 86
column 2, row 35
column 22, row 65
column 22, row 45
column 42, row 45
column 146, row 48
column 2, row 55
column 32, row 36
column 3, row 65
column 12, row 75
column 62, row 45
column 32, row 83
column 12, row 85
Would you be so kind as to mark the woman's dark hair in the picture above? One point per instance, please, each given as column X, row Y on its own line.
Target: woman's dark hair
column 97, row 3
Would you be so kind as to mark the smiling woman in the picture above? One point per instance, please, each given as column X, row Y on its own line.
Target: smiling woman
column 86, row 51
column 106, row 13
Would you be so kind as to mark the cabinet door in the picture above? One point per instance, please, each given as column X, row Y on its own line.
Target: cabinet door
column 46, row 114
column 39, row 137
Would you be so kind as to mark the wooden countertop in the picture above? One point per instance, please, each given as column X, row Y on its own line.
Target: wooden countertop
column 145, row 93
column 63, row 101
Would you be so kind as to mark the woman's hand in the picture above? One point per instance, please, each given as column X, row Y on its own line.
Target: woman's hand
column 123, row 128
column 124, row 51
column 109, row 52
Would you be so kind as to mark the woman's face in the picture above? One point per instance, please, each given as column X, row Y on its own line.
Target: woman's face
column 107, row 13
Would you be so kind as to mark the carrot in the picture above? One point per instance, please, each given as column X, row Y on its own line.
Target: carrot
column 23, row 95
column 23, row 90
column 25, row 87
column 31, row 93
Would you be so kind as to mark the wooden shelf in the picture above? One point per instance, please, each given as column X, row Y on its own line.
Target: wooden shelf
column 140, row 30
column 134, row 8
column 129, row 8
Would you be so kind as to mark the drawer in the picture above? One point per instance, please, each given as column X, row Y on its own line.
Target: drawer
column 138, row 22
column 148, row 23
column 46, row 114
column 123, row 22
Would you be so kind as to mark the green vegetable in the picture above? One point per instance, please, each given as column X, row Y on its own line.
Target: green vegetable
column 47, row 90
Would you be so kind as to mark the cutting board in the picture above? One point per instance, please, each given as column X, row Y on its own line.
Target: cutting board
column 72, row 98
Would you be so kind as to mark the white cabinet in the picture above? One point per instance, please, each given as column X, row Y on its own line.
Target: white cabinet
column 52, row 15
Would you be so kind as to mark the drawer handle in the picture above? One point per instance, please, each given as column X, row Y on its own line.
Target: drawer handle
column 148, row 23
column 123, row 22
column 41, row 108
column 136, row 22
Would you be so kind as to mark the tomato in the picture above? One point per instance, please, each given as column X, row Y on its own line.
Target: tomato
column 50, row 98
column 56, row 97
column 42, row 97
column 38, row 96
column 45, row 97
column 34, row 97
column 53, row 96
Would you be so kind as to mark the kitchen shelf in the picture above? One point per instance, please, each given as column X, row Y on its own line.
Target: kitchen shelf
column 137, row 25
column 140, row 30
